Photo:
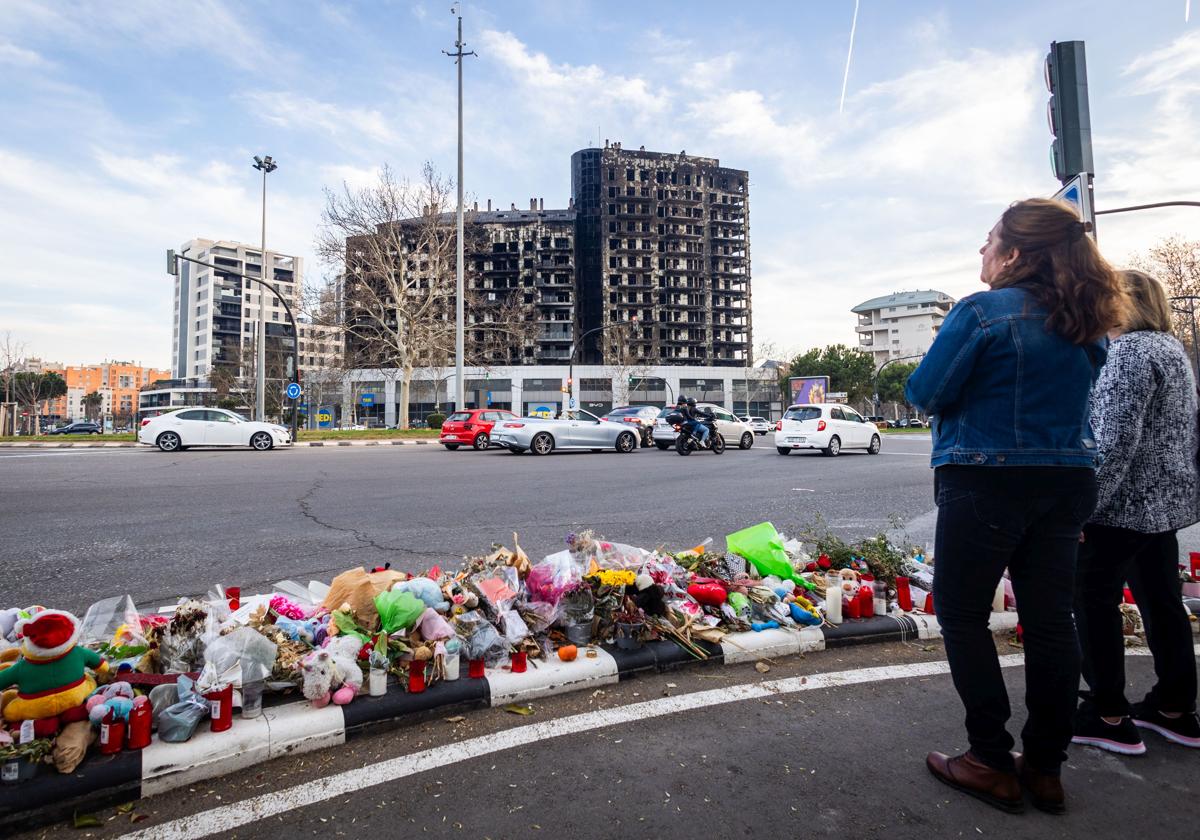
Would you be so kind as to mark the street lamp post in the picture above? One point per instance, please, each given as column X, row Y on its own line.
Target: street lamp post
column 879, row 370
column 459, row 306
column 1191, row 313
column 265, row 165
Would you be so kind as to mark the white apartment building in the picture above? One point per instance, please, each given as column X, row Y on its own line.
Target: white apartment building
column 900, row 324
column 216, row 312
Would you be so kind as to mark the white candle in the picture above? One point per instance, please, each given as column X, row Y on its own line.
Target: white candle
column 377, row 686
column 998, row 598
column 833, row 598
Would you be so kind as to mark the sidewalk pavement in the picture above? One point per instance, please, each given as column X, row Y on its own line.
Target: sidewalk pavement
column 292, row 727
column 129, row 444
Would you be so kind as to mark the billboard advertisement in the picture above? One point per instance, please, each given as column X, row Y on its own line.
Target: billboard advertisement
column 808, row 389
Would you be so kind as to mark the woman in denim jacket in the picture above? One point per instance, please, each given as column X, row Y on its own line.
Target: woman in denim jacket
column 1008, row 379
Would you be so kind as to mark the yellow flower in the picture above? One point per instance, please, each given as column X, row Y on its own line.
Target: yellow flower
column 615, row 577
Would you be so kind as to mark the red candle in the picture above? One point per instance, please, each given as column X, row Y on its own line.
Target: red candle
column 519, row 662
column 866, row 601
column 1195, row 558
column 1129, row 596
column 929, row 604
column 234, row 595
column 475, row 669
column 903, row 594
column 416, row 677
column 851, row 607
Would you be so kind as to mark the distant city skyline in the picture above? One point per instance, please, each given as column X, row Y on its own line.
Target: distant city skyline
column 131, row 127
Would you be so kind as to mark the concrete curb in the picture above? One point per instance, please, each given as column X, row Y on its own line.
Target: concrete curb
column 296, row 727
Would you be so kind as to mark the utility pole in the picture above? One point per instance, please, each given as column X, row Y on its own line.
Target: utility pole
column 265, row 165
column 459, row 306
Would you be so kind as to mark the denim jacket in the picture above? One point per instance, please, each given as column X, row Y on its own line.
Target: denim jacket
column 1005, row 391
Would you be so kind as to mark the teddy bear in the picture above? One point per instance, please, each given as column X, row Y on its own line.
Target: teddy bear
column 117, row 697
column 311, row 631
column 331, row 673
column 425, row 589
column 51, row 675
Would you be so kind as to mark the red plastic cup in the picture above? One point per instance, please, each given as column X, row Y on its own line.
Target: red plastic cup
column 220, row 708
column 112, row 734
column 929, row 604
column 234, row 595
column 475, row 669
column 416, row 677
column 519, row 662
column 903, row 594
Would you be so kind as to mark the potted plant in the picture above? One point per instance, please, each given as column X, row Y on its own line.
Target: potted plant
column 630, row 624
column 19, row 762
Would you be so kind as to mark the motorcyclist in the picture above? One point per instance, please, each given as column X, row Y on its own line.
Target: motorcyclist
column 696, row 424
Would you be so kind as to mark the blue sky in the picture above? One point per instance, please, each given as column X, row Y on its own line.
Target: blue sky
column 129, row 129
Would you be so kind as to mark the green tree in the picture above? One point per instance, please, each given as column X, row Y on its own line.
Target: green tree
column 32, row 389
column 891, row 381
column 848, row 370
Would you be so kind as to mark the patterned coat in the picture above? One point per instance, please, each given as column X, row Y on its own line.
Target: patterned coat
column 1144, row 416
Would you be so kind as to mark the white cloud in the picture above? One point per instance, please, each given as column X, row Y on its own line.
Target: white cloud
column 297, row 112
column 15, row 56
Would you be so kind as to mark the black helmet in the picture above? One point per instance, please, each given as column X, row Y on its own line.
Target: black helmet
column 691, row 401
column 681, row 401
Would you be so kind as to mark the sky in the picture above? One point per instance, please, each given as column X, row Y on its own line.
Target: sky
column 129, row 128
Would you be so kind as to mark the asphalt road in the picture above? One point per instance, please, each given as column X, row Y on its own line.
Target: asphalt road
column 839, row 761
column 80, row 524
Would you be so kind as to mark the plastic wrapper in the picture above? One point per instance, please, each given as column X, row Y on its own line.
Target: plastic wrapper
column 358, row 588
column 247, row 648
column 762, row 546
column 178, row 722
column 499, row 586
column 549, row 579
column 480, row 639
column 398, row 610
column 186, row 636
column 112, row 621
column 515, row 628
column 539, row 615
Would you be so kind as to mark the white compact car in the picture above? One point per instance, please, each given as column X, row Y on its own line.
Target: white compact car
column 825, row 426
column 735, row 432
column 758, row 425
column 210, row 427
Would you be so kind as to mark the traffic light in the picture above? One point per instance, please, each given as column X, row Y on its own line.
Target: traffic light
column 172, row 264
column 1067, row 111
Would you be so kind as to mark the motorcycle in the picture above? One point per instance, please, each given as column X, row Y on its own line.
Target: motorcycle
column 686, row 440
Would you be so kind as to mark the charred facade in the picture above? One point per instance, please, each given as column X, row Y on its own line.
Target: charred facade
column 663, row 238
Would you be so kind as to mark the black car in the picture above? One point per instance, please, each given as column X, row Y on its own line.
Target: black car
column 84, row 428
column 642, row 416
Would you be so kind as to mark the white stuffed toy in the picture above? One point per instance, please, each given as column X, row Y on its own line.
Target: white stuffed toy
column 332, row 672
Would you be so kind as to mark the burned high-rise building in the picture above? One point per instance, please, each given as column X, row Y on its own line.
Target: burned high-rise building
column 663, row 238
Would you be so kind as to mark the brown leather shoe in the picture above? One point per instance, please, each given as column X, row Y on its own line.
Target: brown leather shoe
column 971, row 776
column 1045, row 789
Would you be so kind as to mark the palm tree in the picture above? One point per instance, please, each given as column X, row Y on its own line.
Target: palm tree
column 91, row 405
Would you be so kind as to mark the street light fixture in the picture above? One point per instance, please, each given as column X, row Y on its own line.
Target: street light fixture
column 575, row 347
column 265, row 165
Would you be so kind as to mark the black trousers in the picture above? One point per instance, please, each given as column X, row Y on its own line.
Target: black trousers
column 1027, row 519
column 1108, row 558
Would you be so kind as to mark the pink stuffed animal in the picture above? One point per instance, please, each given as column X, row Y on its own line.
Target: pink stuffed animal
column 332, row 673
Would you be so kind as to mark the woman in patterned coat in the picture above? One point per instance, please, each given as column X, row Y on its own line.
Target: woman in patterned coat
column 1144, row 415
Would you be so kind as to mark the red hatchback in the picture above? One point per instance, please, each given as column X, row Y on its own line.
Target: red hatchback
column 472, row 428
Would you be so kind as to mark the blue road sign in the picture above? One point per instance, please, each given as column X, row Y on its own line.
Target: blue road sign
column 293, row 391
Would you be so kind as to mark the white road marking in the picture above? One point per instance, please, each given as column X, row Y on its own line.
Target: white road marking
column 230, row 817
column 803, row 490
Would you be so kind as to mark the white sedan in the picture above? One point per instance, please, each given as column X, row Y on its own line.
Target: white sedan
column 825, row 426
column 735, row 431
column 210, row 427
column 758, row 425
column 541, row 436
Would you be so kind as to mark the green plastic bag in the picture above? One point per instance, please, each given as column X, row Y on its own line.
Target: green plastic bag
column 762, row 547
column 398, row 610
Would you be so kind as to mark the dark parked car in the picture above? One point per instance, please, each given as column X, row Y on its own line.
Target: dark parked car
column 642, row 416
column 78, row 429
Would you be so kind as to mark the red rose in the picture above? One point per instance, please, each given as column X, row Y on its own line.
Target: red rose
column 811, row 567
column 823, row 562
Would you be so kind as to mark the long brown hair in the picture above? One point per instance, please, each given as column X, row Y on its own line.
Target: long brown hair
column 1061, row 267
column 1148, row 307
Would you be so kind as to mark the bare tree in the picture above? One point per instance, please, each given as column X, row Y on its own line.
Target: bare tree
column 11, row 354
column 1175, row 262
column 625, row 361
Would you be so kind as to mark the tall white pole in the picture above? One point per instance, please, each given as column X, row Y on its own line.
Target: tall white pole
column 260, row 353
column 459, row 308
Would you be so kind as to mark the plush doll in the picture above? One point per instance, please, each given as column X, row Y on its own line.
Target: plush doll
column 117, row 697
column 425, row 589
column 50, row 675
column 332, row 673
column 310, row 631
column 649, row 596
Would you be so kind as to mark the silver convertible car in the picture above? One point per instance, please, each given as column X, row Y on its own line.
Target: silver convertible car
column 582, row 431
